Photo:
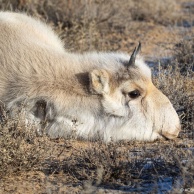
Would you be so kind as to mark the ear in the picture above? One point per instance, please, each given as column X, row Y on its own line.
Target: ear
column 99, row 81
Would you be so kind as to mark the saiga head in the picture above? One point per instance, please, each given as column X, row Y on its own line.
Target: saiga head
column 131, row 94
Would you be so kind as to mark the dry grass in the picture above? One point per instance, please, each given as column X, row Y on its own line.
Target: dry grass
column 163, row 12
column 55, row 166
column 183, row 56
column 175, row 79
column 124, row 166
column 93, row 24
column 21, row 149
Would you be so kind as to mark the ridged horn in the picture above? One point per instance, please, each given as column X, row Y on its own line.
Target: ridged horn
column 133, row 56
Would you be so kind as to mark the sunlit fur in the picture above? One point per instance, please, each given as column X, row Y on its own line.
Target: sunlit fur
column 82, row 94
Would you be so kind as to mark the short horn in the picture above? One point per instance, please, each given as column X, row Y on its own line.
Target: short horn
column 133, row 56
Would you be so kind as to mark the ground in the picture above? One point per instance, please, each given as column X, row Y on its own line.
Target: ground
column 31, row 164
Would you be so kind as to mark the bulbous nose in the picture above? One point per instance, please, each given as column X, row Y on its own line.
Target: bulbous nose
column 171, row 126
column 171, row 133
column 166, row 120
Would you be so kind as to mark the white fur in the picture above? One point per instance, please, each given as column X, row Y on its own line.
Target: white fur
column 145, row 70
column 85, row 94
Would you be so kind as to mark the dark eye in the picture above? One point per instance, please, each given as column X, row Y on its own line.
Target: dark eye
column 134, row 94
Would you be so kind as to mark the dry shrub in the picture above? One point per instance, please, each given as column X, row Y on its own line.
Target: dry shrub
column 126, row 167
column 95, row 24
column 21, row 149
column 180, row 90
column 81, row 23
column 163, row 12
column 184, row 55
column 175, row 79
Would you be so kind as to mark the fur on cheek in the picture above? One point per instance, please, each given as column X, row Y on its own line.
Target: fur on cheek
column 113, row 107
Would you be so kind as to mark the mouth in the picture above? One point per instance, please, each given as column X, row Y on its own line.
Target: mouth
column 162, row 137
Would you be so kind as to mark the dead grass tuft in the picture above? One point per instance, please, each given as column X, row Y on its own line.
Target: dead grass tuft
column 94, row 24
column 183, row 56
column 21, row 150
column 163, row 12
column 175, row 79
column 126, row 167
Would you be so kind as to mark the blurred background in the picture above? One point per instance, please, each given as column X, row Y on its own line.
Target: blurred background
column 87, row 25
